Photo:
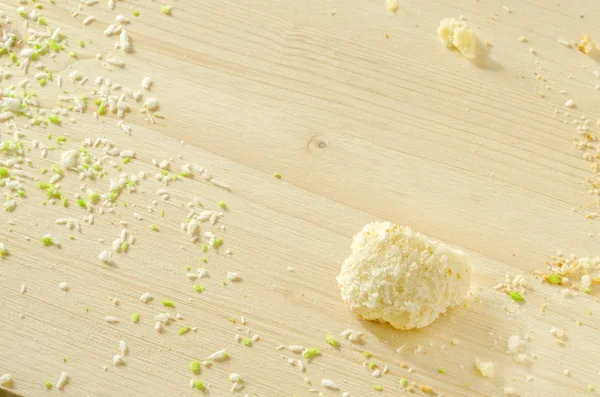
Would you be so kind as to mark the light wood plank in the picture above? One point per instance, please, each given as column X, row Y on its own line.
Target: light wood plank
column 360, row 127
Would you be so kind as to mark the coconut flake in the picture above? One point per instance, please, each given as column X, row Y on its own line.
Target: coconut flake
column 146, row 297
column 68, row 159
column 219, row 355
column 62, row 380
column 88, row 20
column 329, row 384
column 116, row 62
column 151, row 104
column 514, row 343
column 127, row 153
column 147, row 83
column 233, row 276
column 124, row 348
column 105, row 256
column 486, row 368
column 124, row 41
column 118, row 360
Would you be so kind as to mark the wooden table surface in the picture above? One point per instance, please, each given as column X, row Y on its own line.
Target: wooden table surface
column 365, row 116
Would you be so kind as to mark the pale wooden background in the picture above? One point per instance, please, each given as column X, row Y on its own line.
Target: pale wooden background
column 361, row 127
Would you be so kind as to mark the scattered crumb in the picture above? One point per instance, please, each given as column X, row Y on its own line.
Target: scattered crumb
column 392, row 5
column 457, row 35
column 586, row 45
column 486, row 368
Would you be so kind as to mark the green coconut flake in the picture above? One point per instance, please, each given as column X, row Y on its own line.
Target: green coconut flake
column 168, row 304
column 112, row 195
column 204, row 247
column 554, row 278
column 136, row 13
column 218, row 242
column 52, row 192
column 153, row 227
column 377, row 387
column 42, row 82
column 81, row 44
column 403, row 381
column 331, row 341
column 366, row 354
column 247, row 342
column 198, row 288
column 442, row 371
column 162, row 213
column 54, row 119
column 72, row 54
column 515, row 295
column 371, row 365
column 93, row 197
column 126, row 160
column 310, row 353
column 135, row 318
column 42, row 21
column 166, row 10
column 48, row 385
column 222, row 204
column 47, row 241
column 184, row 330
column 125, row 246
column 82, row 203
column 591, row 387
column 277, row 175
column 197, row 383
column 195, row 367
column 3, row 172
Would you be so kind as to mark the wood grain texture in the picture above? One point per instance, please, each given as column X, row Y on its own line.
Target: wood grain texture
column 360, row 127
